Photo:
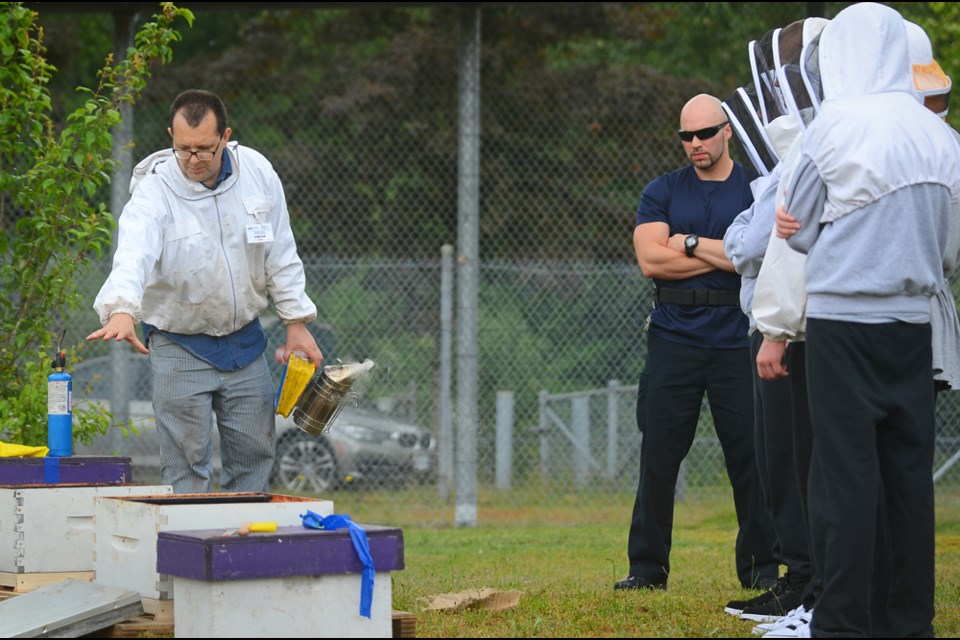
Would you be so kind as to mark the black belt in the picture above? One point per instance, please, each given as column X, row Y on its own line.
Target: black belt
column 699, row 297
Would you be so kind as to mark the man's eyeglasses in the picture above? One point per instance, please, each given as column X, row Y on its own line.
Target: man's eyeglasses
column 703, row 134
column 203, row 156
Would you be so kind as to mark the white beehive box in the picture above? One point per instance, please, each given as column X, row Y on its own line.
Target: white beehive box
column 125, row 530
column 49, row 528
column 300, row 606
column 291, row 583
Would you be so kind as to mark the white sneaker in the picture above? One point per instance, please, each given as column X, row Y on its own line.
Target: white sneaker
column 797, row 628
column 765, row 627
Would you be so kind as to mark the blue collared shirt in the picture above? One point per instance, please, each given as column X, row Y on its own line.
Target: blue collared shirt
column 226, row 170
column 226, row 353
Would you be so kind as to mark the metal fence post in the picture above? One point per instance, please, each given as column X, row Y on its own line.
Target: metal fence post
column 681, row 491
column 504, row 454
column 581, row 430
column 468, row 214
column 544, row 436
column 613, row 422
column 445, row 428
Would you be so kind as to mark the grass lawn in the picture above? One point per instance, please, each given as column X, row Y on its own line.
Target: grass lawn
column 566, row 571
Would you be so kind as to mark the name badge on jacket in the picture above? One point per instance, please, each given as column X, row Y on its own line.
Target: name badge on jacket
column 259, row 233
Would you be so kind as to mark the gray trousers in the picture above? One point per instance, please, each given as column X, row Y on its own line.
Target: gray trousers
column 187, row 393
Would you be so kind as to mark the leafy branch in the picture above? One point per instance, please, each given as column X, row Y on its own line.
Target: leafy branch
column 52, row 225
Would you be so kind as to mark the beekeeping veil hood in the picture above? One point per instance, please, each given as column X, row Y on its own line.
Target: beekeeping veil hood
column 764, row 72
column 788, row 47
column 767, row 114
column 743, row 112
column 778, row 124
column 788, row 107
column 871, row 135
column 752, row 106
column 810, row 67
column 929, row 80
column 758, row 111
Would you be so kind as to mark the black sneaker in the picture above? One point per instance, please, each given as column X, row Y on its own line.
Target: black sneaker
column 632, row 583
column 736, row 607
column 787, row 596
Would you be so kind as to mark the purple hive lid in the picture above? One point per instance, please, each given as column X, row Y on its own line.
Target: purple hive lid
column 212, row 554
column 65, row 470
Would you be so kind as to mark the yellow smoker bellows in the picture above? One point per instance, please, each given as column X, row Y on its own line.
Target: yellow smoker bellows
column 296, row 376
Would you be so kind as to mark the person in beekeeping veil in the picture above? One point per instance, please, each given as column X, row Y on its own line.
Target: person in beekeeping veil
column 872, row 203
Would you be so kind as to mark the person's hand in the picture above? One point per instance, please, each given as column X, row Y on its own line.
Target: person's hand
column 786, row 224
column 119, row 327
column 300, row 339
column 770, row 364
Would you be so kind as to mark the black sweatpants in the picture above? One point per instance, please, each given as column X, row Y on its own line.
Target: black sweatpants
column 871, row 407
column 776, row 421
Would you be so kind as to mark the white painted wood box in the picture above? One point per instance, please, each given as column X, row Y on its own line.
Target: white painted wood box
column 291, row 583
column 49, row 528
column 125, row 530
column 294, row 607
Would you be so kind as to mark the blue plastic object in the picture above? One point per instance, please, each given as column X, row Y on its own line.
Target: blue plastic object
column 332, row 522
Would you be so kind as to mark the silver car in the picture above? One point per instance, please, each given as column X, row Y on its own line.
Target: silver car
column 360, row 448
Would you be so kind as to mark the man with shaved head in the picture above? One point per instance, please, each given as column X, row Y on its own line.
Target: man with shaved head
column 696, row 344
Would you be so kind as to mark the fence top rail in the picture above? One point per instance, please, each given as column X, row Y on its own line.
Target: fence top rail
column 546, row 396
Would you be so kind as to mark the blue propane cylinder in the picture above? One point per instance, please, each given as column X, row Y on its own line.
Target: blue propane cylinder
column 59, row 413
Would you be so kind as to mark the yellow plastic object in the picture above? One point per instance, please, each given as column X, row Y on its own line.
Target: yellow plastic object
column 257, row 527
column 9, row 450
column 296, row 376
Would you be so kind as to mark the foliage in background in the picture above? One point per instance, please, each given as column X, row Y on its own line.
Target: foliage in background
column 374, row 74
column 606, row 76
column 357, row 109
column 53, row 224
column 600, row 76
column 578, row 109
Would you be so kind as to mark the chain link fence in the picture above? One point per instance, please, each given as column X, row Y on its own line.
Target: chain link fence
column 365, row 141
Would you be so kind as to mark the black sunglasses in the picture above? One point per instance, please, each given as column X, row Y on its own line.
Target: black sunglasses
column 703, row 134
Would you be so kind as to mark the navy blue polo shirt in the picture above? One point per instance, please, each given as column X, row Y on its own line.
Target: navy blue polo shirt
column 691, row 205
column 226, row 353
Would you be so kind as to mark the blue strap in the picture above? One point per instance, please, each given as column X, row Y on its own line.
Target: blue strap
column 51, row 470
column 312, row 520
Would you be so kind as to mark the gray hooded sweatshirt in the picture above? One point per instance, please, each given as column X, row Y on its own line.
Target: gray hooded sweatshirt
column 877, row 182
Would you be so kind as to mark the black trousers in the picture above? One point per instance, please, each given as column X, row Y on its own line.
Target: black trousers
column 814, row 487
column 806, row 466
column 776, row 424
column 871, row 407
column 670, row 394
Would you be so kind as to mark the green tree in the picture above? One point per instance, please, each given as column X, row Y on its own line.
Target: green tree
column 52, row 226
